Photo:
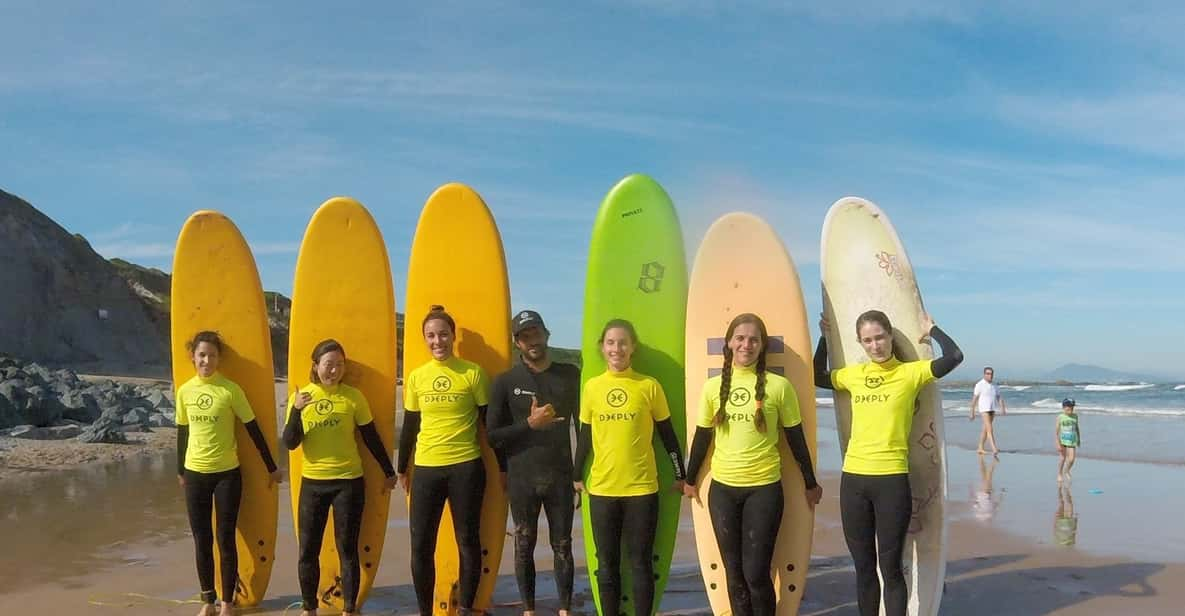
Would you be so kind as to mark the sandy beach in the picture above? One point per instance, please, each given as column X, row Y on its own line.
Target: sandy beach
column 110, row 536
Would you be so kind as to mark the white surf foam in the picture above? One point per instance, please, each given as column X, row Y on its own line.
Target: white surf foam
column 1016, row 387
column 1117, row 387
column 1179, row 388
column 1049, row 407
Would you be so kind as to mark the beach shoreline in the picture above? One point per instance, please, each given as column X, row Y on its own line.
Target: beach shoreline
column 116, row 527
column 990, row 571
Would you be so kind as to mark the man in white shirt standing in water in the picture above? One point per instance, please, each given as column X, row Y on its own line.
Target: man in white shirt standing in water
column 987, row 400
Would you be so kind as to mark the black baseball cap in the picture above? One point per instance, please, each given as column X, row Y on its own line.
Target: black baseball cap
column 1068, row 402
column 525, row 319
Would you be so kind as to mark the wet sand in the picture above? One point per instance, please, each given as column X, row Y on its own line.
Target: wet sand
column 113, row 538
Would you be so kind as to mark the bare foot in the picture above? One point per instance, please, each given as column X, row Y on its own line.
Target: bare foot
column 528, row 612
column 308, row 613
column 228, row 609
column 207, row 610
column 980, row 451
column 565, row 613
column 1059, row 477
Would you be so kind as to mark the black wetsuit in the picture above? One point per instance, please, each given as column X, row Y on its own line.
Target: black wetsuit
column 219, row 494
column 876, row 509
column 539, row 466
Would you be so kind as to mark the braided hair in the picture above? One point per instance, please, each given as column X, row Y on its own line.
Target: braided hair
column 721, row 417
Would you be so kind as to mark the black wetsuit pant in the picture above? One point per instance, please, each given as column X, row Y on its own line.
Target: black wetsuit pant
column 634, row 518
column 347, row 497
column 554, row 495
column 463, row 487
column 746, row 522
column 876, row 512
column 220, row 494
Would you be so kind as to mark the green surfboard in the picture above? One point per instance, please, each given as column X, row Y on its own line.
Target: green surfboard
column 637, row 270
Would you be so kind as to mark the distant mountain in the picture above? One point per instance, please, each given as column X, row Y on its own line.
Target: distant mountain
column 1082, row 373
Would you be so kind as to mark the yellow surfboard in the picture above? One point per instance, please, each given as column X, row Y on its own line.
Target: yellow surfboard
column 864, row 266
column 216, row 287
column 343, row 290
column 457, row 261
column 742, row 266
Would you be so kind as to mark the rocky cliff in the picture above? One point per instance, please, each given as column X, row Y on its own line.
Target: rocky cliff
column 64, row 304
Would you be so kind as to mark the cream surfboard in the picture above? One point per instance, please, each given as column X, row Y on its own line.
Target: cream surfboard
column 864, row 267
column 457, row 261
column 741, row 267
column 215, row 286
column 343, row 290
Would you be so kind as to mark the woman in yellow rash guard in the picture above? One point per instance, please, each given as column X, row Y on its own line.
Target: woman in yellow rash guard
column 322, row 418
column 208, row 464
column 444, row 402
column 619, row 412
column 874, row 495
column 741, row 409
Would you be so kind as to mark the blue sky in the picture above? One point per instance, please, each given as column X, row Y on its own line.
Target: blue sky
column 1030, row 156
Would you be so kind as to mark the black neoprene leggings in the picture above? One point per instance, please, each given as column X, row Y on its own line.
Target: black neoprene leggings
column 347, row 498
column 556, row 498
column 876, row 511
column 217, row 493
column 463, row 487
column 746, row 522
column 636, row 519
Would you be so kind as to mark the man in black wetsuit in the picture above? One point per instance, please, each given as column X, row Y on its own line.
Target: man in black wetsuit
column 533, row 409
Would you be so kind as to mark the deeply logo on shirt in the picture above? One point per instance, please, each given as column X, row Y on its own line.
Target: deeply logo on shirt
column 205, row 401
column 870, row 398
column 324, row 423
column 203, row 419
column 740, row 396
column 740, row 417
column 872, row 382
column 324, row 406
column 617, row 397
column 442, row 384
column 616, row 416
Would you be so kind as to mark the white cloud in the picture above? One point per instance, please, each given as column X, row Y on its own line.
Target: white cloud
column 846, row 11
column 130, row 250
column 124, row 231
column 1150, row 121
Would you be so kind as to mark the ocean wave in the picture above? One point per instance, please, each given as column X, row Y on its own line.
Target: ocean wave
column 1179, row 388
column 1016, row 387
column 1117, row 387
column 824, row 402
column 1047, row 409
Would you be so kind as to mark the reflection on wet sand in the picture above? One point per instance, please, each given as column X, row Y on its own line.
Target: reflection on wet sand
column 1065, row 521
column 63, row 524
column 985, row 501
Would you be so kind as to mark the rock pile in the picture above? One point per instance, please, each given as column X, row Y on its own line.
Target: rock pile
column 39, row 403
